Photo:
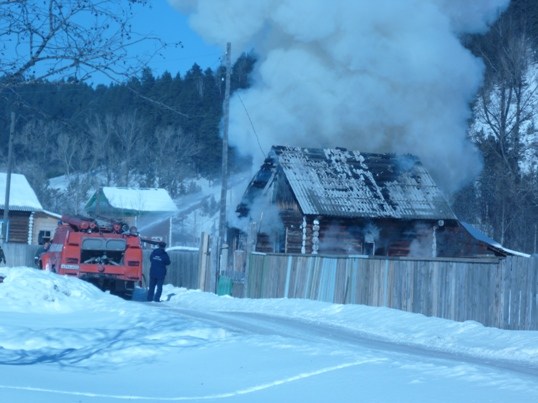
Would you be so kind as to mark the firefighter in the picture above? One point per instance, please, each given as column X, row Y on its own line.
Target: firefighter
column 159, row 260
column 42, row 249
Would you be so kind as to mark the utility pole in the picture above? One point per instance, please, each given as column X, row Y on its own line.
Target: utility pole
column 226, row 121
column 222, row 242
column 8, row 177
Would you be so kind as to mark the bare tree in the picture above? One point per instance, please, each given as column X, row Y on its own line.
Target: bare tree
column 172, row 152
column 59, row 39
column 127, row 130
column 69, row 40
column 71, row 150
column 102, row 148
column 502, row 126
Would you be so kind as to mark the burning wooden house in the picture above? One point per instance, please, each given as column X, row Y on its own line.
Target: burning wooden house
column 342, row 202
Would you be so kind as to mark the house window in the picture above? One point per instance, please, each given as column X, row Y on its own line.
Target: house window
column 43, row 237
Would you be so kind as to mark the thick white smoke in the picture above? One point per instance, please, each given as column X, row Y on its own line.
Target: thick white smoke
column 368, row 75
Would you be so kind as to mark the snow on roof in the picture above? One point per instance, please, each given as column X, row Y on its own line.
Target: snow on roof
column 52, row 214
column 149, row 200
column 479, row 235
column 342, row 183
column 21, row 195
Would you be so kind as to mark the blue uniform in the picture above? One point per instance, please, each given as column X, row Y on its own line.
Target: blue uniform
column 157, row 272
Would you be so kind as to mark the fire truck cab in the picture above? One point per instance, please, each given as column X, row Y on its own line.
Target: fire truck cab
column 107, row 255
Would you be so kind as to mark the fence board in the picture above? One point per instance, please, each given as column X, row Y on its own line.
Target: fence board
column 19, row 254
column 500, row 293
column 182, row 271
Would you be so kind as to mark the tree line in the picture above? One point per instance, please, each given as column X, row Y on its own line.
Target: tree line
column 148, row 131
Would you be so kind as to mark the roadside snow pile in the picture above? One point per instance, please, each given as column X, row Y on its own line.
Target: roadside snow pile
column 25, row 289
column 468, row 338
column 31, row 300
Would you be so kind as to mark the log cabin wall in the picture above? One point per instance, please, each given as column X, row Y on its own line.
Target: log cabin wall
column 359, row 236
column 350, row 236
column 290, row 214
column 386, row 237
column 340, row 236
column 344, row 236
column 454, row 241
column 19, row 226
column 383, row 237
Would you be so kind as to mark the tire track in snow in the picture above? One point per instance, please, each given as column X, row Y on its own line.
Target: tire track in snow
column 266, row 324
column 224, row 395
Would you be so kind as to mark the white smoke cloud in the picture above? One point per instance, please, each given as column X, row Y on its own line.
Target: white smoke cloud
column 370, row 75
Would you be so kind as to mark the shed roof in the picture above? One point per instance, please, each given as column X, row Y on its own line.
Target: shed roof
column 490, row 242
column 131, row 201
column 21, row 195
column 342, row 183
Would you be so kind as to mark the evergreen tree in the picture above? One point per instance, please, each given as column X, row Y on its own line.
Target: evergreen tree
column 146, row 131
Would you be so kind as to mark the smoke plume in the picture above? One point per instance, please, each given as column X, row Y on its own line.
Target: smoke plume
column 368, row 75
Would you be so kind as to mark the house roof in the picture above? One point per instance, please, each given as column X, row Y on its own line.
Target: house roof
column 491, row 243
column 343, row 183
column 21, row 195
column 129, row 201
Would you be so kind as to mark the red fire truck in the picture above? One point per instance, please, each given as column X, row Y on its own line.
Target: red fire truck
column 107, row 254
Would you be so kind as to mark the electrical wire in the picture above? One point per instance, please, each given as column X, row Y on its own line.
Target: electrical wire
column 264, row 154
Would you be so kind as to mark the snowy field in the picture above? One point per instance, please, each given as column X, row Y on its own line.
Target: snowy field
column 62, row 340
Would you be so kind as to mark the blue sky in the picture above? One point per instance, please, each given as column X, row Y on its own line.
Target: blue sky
column 162, row 20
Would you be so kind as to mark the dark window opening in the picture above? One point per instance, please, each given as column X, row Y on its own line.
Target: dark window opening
column 43, row 236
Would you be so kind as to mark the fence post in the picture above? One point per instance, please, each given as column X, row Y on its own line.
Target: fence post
column 204, row 252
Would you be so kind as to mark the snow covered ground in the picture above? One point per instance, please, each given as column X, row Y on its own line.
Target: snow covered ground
column 62, row 340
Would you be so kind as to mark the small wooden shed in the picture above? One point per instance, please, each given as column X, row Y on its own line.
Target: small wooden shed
column 343, row 202
column 149, row 209
column 23, row 205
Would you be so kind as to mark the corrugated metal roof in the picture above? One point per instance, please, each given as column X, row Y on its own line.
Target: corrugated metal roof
column 479, row 235
column 342, row 183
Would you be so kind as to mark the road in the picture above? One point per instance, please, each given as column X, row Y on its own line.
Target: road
column 433, row 374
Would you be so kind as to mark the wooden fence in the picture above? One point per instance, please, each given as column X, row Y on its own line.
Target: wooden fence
column 499, row 293
column 183, row 269
column 19, row 254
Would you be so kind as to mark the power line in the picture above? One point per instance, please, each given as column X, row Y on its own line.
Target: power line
column 264, row 154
